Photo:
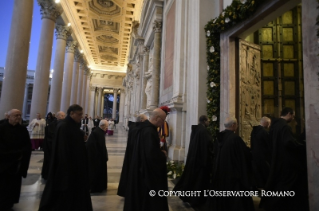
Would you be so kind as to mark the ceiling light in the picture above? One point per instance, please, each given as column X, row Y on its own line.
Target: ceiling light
column 81, row 51
column 57, row 1
column 69, row 24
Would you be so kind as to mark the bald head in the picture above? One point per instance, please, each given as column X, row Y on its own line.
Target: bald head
column 60, row 115
column 157, row 117
column 141, row 118
column 14, row 116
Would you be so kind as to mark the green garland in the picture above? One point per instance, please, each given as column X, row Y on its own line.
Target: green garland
column 231, row 15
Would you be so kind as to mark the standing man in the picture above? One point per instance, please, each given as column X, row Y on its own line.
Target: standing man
column 196, row 175
column 98, row 157
column 37, row 127
column 86, row 125
column 15, row 152
column 47, row 144
column 260, row 152
column 131, row 139
column 96, row 122
column 231, row 170
column 67, row 187
column 163, row 131
column 147, row 172
column 288, row 170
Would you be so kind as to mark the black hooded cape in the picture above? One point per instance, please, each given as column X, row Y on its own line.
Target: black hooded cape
column 231, row 172
column 98, row 157
column 67, row 187
column 15, row 152
column 196, row 174
column 131, row 139
column 147, row 172
column 288, row 171
column 261, row 154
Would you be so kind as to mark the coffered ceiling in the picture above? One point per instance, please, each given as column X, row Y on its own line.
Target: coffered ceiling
column 103, row 28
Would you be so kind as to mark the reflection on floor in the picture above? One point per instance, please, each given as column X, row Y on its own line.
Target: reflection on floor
column 33, row 185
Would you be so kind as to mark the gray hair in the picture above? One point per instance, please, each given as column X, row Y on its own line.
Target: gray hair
column 103, row 122
column 229, row 122
column 141, row 117
column 264, row 119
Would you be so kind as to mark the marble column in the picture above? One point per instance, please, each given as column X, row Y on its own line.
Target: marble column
column 87, row 90
column 114, row 104
column 102, row 103
column 157, row 27
column 80, row 86
column 15, row 71
column 311, row 89
column 67, row 77
column 99, row 97
column 122, row 103
column 62, row 33
column 25, row 102
column 92, row 101
column 146, row 51
column 49, row 11
column 75, row 76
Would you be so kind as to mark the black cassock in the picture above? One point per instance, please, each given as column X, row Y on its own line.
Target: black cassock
column 67, row 187
column 15, row 152
column 261, row 153
column 288, row 171
column 47, row 147
column 131, row 138
column 98, row 157
column 147, row 172
column 231, row 172
column 196, row 174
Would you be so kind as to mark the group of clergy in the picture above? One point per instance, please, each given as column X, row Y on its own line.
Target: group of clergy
column 73, row 165
column 276, row 162
column 88, row 124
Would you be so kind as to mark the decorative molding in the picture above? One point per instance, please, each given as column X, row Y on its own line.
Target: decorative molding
column 62, row 32
column 157, row 26
column 49, row 9
column 146, row 50
column 70, row 46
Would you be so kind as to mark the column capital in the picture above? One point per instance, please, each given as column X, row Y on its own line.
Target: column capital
column 70, row 46
column 146, row 50
column 92, row 88
column 49, row 9
column 77, row 56
column 115, row 90
column 62, row 32
column 100, row 89
column 157, row 26
column 122, row 90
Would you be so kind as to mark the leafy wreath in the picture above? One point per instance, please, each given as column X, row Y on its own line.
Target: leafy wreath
column 238, row 11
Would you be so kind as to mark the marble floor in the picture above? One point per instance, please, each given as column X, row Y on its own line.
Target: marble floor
column 33, row 185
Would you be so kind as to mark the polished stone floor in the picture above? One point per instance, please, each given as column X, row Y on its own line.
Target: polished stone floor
column 33, row 185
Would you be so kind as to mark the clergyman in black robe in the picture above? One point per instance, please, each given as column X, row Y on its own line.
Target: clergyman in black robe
column 98, row 157
column 131, row 138
column 67, row 187
column 231, row 170
column 147, row 172
column 15, row 152
column 196, row 175
column 261, row 153
column 47, row 144
column 288, row 171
